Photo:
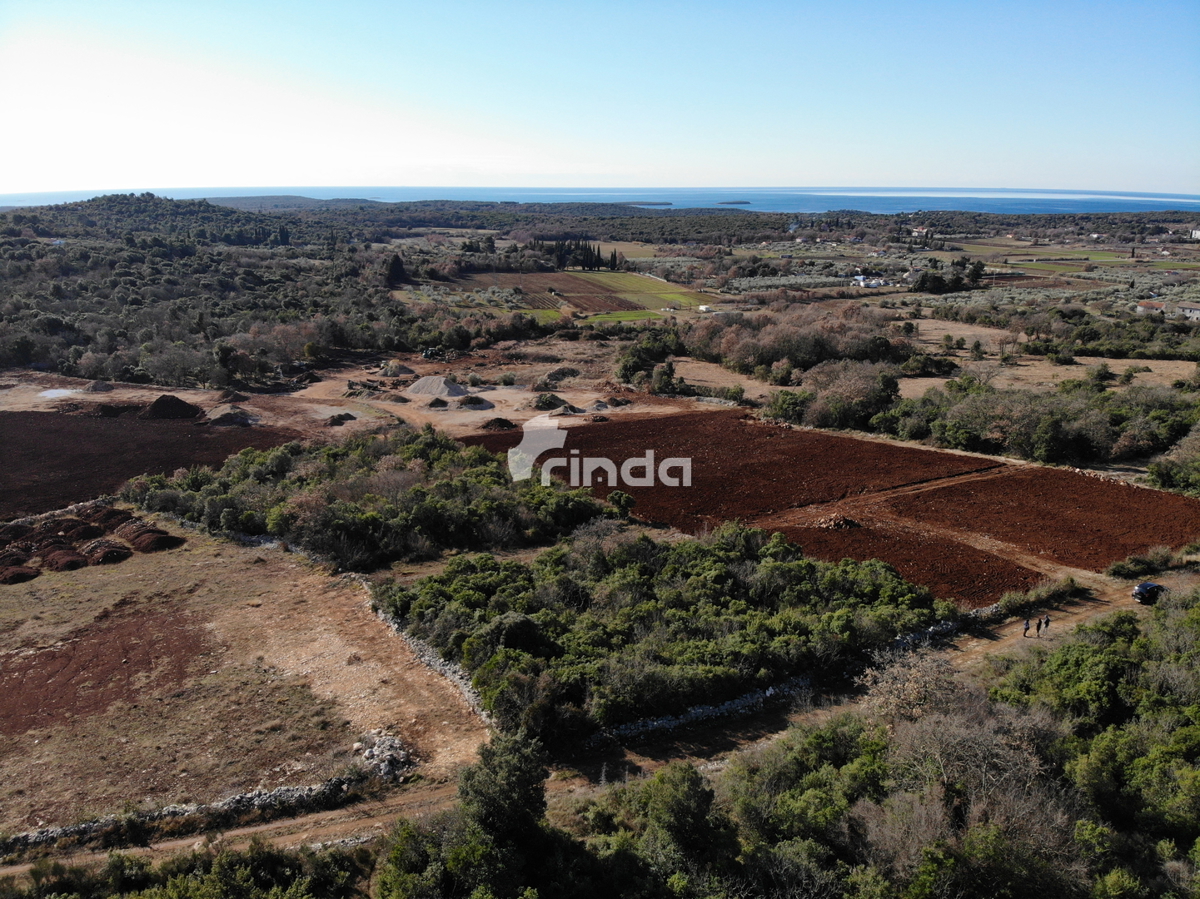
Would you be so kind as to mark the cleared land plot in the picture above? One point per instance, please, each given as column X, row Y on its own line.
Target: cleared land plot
column 646, row 292
column 1075, row 519
column 971, row 576
column 198, row 673
column 747, row 471
column 554, row 291
column 52, row 460
column 928, row 513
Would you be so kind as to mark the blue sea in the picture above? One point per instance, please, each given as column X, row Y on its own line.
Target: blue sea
column 760, row 199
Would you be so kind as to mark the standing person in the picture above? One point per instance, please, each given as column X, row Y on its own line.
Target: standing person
column 1046, row 623
column 1039, row 626
column 1026, row 633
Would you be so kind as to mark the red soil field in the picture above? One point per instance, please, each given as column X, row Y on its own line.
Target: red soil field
column 950, row 569
column 743, row 469
column 51, row 460
column 934, row 516
column 115, row 658
column 1077, row 520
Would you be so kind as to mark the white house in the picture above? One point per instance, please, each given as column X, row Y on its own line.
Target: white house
column 1190, row 311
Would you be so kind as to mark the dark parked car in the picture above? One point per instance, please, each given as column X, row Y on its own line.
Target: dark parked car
column 1147, row 593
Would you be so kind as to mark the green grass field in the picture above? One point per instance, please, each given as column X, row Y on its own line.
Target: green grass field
column 649, row 293
column 623, row 316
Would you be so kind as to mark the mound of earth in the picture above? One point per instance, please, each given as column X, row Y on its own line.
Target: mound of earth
column 395, row 369
column 17, row 574
column 476, row 403
column 98, row 387
column 498, row 424
column 146, row 538
column 432, row 385
column 63, row 559
column 232, row 396
column 168, row 406
column 14, row 531
column 105, row 552
column 105, row 517
column 230, row 416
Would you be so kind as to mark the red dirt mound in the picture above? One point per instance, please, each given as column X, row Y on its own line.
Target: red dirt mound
column 64, row 559
column 146, row 538
column 105, row 517
column 105, row 552
column 156, row 541
column 10, row 557
column 498, row 424
column 169, row 406
column 17, row 574
column 10, row 533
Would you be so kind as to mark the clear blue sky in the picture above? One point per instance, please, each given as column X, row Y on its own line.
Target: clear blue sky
column 122, row 94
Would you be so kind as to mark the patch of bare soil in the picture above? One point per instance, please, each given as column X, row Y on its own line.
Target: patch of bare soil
column 197, row 673
column 53, row 460
column 969, row 527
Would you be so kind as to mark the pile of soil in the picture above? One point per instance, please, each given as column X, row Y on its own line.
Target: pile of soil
column 17, row 574
column 232, row 396
column 63, row 559
column 12, row 532
column 98, row 387
column 475, row 403
column 395, row 369
column 106, row 517
column 336, row 421
column 498, row 424
column 436, row 386
column 146, row 538
column 105, row 552
column 168, row 406
column 228, row 415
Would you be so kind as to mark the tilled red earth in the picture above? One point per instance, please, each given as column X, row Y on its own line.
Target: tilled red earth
column 743, row 469
column 973, row 577
column 50, row 460
column 1073, row 518
column 935, row 516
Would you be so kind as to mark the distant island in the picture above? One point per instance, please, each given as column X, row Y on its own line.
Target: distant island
column 733, row 202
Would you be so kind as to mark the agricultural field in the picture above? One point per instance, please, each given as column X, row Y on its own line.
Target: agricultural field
column 961, row 524
column 588, row 293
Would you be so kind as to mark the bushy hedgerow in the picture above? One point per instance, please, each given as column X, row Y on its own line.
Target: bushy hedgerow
column 371, row 500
